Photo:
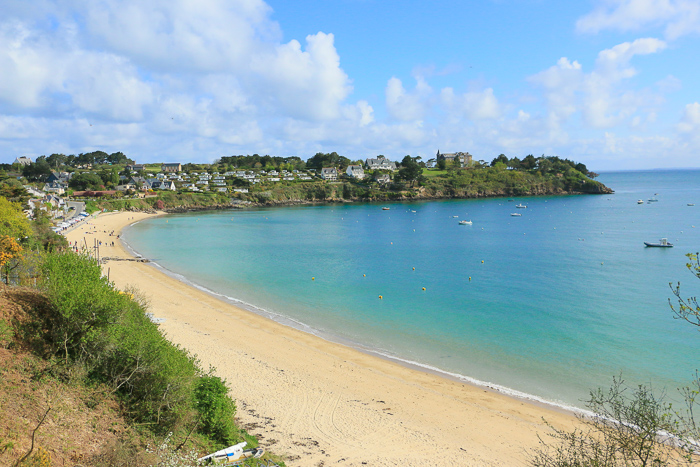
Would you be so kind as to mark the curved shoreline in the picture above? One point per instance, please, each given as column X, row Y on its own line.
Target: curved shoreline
column 332, row 338
column 321, row 400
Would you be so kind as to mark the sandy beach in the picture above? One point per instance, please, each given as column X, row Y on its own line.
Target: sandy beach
column 320, row 403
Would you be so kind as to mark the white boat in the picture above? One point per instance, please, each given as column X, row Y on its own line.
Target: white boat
column 520, row 206
column 455, row 216
column 516, row 214
column 663, row 243
column 234, row 453
column 652, row 200
column 465, row 222
column 385, row 209
column 691, row 204
column 640, row 201
column 230, row 453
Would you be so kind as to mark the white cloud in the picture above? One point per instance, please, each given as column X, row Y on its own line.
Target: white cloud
column 197, row 80
column 677, row 17
column 199, row 35
column 408, row 105
column 600, row 96
column 471, row 105
column 29, row 68
column 306, row 84
column 690, row 122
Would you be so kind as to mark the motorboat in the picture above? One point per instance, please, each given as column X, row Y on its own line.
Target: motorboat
column 465, row 222
column 663, row 243
column 520, row 206
column 516, row 214
column 640, row 201
column 385, row 209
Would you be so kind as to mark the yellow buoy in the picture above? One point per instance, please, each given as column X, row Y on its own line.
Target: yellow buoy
column 380, row 297
column 482, row 260
column 423, row 288
column 414, row 269
column 470, row 277
column 313, row 278
column 364, row 275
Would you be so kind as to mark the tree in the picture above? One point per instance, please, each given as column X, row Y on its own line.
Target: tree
column 410, row 170
column 13, row 222
column 321, row 160
column 529, row 162
column 10, row 250
column 85, row 181
column 630, row 427
column 110, row 177
column 39, row 170
column 501, row 158
column 441, row 164
column 56, row 161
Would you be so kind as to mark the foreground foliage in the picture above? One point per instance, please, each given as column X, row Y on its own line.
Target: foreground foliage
column 632, row 427
column 629, row 427
column 91, row 325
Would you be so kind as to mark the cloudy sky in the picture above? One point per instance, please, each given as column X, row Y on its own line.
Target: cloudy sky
column 611, row 83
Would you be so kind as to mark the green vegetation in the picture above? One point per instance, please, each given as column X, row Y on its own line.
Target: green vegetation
column 78, row 336
column 104, row 333
column 632, row 426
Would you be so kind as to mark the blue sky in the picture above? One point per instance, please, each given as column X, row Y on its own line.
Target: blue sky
column 611, row 83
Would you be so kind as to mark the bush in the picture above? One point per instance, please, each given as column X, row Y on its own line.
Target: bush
column 83, row 304
column 217, row 410
column 107, row 334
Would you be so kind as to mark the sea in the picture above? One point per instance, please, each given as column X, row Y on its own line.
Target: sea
column 547, row 305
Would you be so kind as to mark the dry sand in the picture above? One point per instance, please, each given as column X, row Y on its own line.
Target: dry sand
column 319, row 403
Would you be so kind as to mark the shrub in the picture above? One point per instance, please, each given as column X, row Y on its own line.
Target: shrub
column 83, row 304
column 216, row 408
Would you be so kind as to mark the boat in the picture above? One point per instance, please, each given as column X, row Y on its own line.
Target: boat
column 385, row 209
column 663, row 243
column 691, row 204
column 640, row 201
column 520, row 206
column 230, row 453
column 652, row 200
column 516, row 214
column 234, row 453
column 454, row 217
column 465, row 222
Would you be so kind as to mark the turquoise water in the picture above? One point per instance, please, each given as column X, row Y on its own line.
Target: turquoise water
column 550, row 304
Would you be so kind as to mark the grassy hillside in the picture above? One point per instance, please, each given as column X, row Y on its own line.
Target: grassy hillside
column 87, row 378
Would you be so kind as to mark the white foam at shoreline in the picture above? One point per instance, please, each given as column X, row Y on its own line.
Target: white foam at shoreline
column 300, row 326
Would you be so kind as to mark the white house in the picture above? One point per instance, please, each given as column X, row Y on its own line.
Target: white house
column 383, row 179
column 23, row 160
column 380, row 163
column 355, row 171
column 329, row 173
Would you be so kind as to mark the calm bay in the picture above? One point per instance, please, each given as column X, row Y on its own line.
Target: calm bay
column 547, row 304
